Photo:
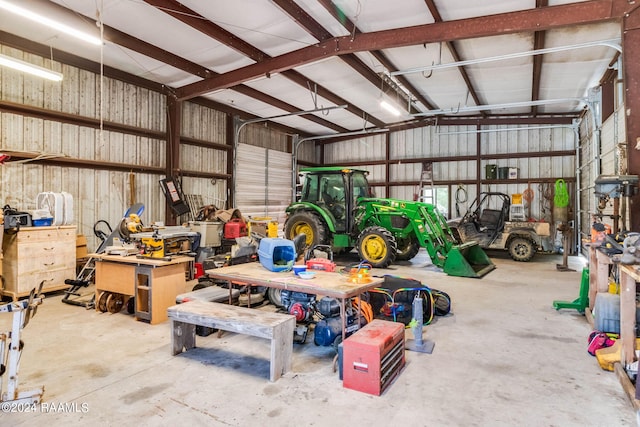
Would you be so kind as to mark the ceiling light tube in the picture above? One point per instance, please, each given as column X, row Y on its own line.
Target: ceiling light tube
column 26, row 67
column 390, row 108
column 11, row 7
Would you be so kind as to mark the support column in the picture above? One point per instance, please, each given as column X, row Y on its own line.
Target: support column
column 230, row 140
column 174, row 116
column 631, row 63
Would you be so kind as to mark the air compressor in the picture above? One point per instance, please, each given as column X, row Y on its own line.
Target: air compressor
column 301, row 306
column 305, row 308
column 328, row 330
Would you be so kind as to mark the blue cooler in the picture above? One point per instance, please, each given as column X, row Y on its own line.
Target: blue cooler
column 277, row 254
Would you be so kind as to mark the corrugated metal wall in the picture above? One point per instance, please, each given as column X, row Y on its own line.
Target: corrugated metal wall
column 608, row 159
column 99, row 194
column 462, row 167
column 204, row 124
column 589, row 170
column 104, row 194
column 362, row 149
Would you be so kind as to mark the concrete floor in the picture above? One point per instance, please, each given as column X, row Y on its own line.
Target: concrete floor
column 504, row 357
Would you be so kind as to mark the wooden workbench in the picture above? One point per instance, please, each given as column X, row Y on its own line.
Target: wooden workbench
column 600, row 265
column 328, row 284
column 629, row 276
column 599, row 271
column 154, row 283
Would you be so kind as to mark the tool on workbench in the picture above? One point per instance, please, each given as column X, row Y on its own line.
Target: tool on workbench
column 165, row 242
column 315, row 263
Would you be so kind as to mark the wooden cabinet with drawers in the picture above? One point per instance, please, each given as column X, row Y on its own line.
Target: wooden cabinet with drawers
column 37, row 254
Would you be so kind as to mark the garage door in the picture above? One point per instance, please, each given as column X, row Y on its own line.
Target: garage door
column 263, row 182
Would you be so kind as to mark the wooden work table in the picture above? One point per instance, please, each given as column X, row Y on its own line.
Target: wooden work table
column 601, row 268
column 154, row 283
column 629, row 276
column 330, row 284
column 600, row 273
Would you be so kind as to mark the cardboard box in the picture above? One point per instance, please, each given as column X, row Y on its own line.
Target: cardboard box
column 81, row 246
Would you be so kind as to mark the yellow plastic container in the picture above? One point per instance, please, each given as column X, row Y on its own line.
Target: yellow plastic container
column 516, row 199
column 264, row 226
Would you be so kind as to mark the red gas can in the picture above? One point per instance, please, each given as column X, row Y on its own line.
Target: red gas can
column 235, row 228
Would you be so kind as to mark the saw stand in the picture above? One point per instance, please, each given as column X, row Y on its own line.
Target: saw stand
column 11, row 348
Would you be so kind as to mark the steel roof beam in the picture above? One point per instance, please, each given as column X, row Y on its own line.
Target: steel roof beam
column 538, row 43
column 531, row 20
column 147, row 49
column 456, row 56
column 132, row 43
column 378, row 55
column 202, row 24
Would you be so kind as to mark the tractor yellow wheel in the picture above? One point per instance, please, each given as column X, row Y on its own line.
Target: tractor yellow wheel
column 377, row 246
column 374, row 247
column 308, row 224
column 306, row 229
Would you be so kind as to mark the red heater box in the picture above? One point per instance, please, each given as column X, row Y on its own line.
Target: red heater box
column 373, row 356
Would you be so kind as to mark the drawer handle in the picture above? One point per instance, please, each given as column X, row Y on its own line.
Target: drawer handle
column 48, row 264
column 49, row 249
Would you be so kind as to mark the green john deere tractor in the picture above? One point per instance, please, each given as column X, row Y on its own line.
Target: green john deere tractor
column 336, row 207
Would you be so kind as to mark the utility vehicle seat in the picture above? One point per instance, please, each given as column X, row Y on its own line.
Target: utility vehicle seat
column 489, row 218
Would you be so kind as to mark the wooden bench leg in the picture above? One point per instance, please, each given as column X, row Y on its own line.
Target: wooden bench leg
column 183, row 336
column 281, row 349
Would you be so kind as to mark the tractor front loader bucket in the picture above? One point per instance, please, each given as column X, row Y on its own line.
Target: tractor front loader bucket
column 467, row 260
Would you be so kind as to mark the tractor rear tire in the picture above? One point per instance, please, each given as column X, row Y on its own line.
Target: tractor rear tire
column 377, row 246
column 407, row 248
column 521, row 249
column 306, row 223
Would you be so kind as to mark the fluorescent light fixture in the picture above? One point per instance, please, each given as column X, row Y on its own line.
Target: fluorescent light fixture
column 26, row 67
column 49, row 22
column 390, row 108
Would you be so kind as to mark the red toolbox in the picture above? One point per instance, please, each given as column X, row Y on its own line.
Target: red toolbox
column 235, row 228
column 373, row 356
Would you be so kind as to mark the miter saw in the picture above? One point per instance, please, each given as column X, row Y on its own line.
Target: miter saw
column 116, row 242
column 165, row 242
